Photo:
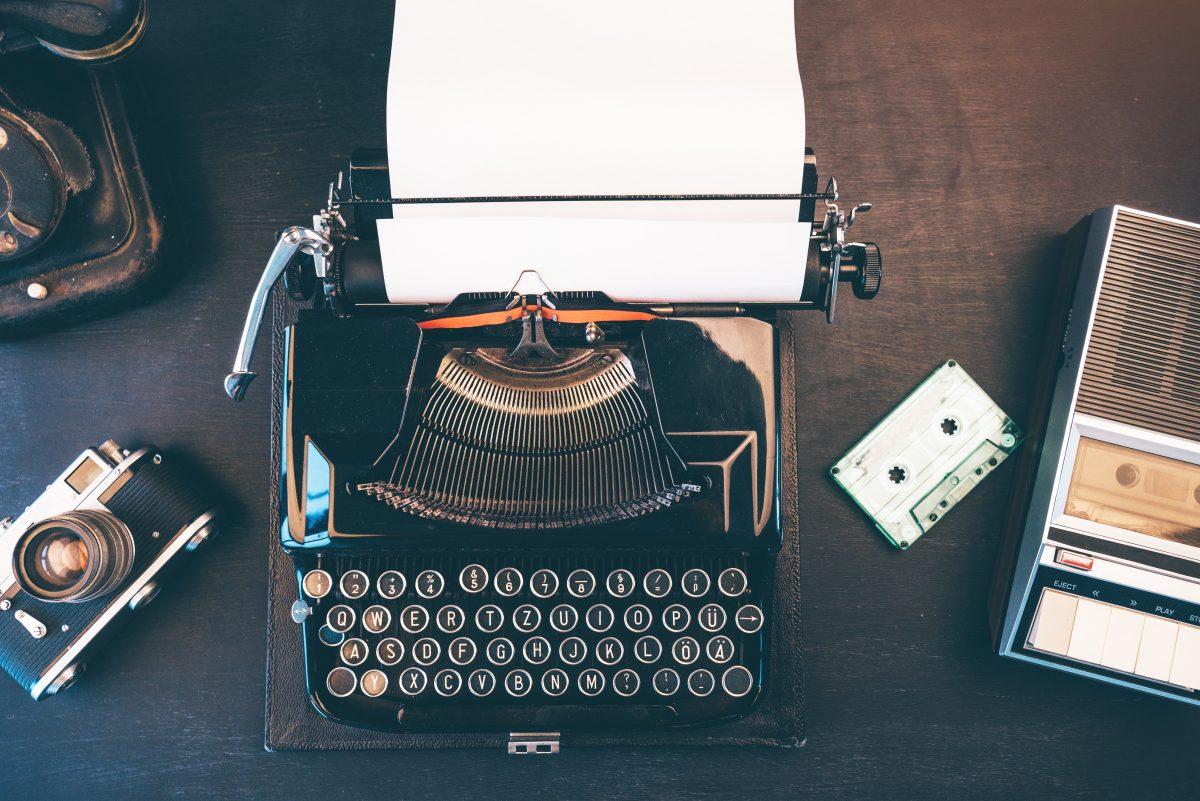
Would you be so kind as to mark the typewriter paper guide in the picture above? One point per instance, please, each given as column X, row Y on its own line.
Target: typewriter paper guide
column 529, row 98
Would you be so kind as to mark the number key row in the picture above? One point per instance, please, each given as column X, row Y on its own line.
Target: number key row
column 509, row 581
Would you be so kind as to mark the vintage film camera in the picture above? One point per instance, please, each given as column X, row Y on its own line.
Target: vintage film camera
column 94, row 547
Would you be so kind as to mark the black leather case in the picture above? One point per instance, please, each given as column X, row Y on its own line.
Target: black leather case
column 293, row 724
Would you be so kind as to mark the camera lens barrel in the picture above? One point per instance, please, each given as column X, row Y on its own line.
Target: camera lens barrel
column 74, row 557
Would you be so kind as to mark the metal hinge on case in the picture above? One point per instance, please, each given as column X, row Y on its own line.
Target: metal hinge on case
column 533, row 742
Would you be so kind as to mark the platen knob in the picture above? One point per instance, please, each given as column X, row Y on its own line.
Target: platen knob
column 869, row 261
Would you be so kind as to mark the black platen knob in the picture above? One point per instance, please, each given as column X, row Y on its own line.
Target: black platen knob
column 869, row 275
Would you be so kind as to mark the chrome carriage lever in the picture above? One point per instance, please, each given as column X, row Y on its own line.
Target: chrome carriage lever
column 292, row 242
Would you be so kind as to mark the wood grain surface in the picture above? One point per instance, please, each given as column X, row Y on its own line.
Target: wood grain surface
column 981, row 130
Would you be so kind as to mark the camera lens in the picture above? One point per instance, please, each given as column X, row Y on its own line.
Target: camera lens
column 74, row 557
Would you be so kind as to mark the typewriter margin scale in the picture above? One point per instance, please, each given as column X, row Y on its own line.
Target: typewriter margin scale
column 335, row 268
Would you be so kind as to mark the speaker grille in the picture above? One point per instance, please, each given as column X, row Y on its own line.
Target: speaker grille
column 1142, row 365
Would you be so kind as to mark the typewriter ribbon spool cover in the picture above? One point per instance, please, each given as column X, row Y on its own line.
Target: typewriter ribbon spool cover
column 927, row 454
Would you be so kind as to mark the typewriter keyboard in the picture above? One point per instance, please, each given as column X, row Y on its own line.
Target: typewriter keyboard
column 496, row 638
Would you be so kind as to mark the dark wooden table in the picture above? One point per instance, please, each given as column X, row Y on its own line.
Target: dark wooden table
column 982, row 132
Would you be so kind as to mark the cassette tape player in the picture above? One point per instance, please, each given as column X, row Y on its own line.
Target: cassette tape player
column 1099, row 572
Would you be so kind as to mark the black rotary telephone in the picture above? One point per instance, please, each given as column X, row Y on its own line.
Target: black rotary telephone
column 78, row 228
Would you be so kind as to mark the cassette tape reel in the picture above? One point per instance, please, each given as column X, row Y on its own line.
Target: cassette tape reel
column 927, row 454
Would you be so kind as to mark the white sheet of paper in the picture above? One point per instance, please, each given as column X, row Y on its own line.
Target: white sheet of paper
column 626, row 97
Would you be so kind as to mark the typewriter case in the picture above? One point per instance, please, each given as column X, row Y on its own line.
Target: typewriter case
column 670, row 445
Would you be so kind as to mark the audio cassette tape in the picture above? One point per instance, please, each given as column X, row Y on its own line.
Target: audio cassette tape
column 927, row 454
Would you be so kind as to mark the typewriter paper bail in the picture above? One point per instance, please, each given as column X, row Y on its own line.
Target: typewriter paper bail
column 666, row 97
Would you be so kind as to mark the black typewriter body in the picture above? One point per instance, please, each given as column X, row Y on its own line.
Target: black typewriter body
column 502, row 621
column 529, row 512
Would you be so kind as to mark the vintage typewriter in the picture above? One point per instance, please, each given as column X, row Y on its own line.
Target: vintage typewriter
column 529, row 509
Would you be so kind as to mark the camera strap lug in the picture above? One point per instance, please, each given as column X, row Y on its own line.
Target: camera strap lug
column 35, row 627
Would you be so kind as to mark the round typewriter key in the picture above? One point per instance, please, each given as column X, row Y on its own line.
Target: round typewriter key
column 563, row 618
column 591, row 682
column 737, row 681
column 414, row 619
column 430, row 584
column 666, row 682
column 719, row 649
column 676, row 618
column 543, row 583
column 581, row 583
column 536, row 650
column 647, row 649
column 317, row 583
column 526, row 618
column 626, row 682
column 555, row 682
column 638, row 618
column 354, row 584
column 518, row 682
column 749, row 619
column 390, row 584
column 695, row 583
column 657, row 583
column 500, row 651
column 489, row 618
column 426, row 651
column 473, row 578
column 701, row 682
column 481, row 682
column 341, row 681
column 450, row 618
column 413, row 681
column 508, row 581
column 731, row 582
column 620, row 583
column 609, row 650
column 376, row 618
column 389, row 651
column 686, row 650
column 447, row 682
column 354, row 651
column 373, row 683
column 711, row 617
column 572, row 651
column 330, row 636
column 340, row 618
column 599, row 618
column 461, row 650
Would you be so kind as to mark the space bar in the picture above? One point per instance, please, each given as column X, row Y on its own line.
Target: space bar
column 534, row 717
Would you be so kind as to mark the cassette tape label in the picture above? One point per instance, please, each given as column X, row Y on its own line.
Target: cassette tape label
column 1136, row 491
column 927, row 454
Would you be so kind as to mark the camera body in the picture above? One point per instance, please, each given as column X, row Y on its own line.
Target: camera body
column 92, row 549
